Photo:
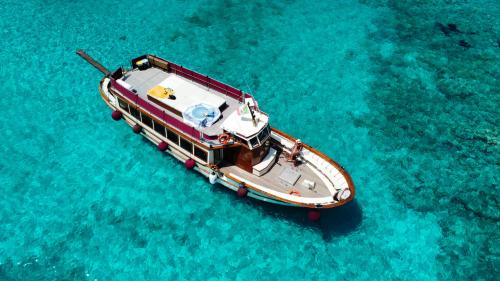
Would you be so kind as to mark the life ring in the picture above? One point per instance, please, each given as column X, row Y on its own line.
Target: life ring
column 224, row 138
column 294, row 192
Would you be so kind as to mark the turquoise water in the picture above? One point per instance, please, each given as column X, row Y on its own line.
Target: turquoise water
column 384, row 87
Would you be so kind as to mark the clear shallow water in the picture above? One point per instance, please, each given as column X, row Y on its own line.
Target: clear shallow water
column 378, row 86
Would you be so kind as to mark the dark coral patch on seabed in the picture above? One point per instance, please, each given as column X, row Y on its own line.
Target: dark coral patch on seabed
column 435, row 114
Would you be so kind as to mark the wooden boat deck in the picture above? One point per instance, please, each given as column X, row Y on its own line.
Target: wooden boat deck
column 143, row 80
column 273, row 181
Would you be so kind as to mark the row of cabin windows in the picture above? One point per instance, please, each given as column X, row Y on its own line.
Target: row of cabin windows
column 173, row 137
column 259, row 139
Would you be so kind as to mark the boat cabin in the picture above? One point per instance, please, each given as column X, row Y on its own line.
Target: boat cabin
column 214, row 122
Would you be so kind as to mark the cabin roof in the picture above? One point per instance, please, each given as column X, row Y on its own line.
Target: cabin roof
column 189, row 93
column 244, row 126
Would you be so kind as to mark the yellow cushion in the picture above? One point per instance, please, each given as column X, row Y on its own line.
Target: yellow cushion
column 160, row 92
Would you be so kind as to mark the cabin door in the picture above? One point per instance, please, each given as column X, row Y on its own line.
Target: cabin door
column 230, row 155
column 239, row 156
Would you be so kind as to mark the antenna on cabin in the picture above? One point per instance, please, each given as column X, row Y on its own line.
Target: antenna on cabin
column 252, row 113
column 248, row 87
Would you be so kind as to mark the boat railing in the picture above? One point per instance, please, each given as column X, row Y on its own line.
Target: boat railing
column 198, row 78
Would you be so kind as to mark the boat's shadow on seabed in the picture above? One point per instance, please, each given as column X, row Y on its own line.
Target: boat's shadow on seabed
column 333, row 222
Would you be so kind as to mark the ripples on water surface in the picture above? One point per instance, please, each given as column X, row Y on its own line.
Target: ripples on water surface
column 407, row 103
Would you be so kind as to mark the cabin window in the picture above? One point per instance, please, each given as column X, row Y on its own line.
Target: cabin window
column 135, row 113
column 186, row 145
column 200, row 153
column 123, row 104
column 173, row 137
column 238, row 139
column 263, row 134
column 147, row 120
column 217, row 155
column 254, row 142
column 159, row 128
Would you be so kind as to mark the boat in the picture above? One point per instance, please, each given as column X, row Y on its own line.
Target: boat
column 221, row 132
